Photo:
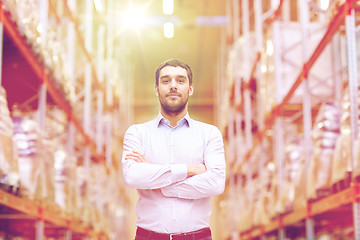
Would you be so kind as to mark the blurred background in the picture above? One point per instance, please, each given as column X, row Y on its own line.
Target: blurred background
column 279, row 78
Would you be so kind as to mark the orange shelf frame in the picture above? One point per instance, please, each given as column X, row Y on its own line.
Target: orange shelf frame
column 82, row 44
column 346, row 196
column 80, row 38
column 349, row 195
column 54, row 215
column 270, row 117
column 41, row 72
column 268, row 22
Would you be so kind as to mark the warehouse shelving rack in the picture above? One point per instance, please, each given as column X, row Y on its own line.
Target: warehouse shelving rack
column 11, row 29
column 324, row 205
column 346, row 199
column 39, row 212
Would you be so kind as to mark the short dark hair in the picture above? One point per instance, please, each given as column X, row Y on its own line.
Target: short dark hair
column 174, row 63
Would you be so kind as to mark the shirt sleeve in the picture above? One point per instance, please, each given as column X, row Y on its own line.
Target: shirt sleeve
column 147, row 175
column 208, row 184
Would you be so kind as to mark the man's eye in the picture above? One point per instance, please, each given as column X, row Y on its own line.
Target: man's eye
column 165, row 81
column 181, row 80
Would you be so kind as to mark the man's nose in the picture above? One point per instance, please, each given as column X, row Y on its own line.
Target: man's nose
column 173, row 83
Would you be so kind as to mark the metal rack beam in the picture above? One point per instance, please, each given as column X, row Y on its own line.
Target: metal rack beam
column 45, row 216
column 354, row 114
column 347, row 196
column 270, row 117
column 313, row 209
column 39, row 210
column 25, row 50
column 98, row 84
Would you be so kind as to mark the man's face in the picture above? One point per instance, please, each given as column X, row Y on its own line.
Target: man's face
column 173, row 89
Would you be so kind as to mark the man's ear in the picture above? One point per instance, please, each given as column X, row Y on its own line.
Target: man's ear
column 191, row 90
column 156, row 90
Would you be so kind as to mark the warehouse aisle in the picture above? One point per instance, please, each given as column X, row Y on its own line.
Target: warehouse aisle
column 279, row 78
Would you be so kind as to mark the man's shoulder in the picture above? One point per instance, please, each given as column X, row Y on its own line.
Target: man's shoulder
column 141, row 126
column 204, row 126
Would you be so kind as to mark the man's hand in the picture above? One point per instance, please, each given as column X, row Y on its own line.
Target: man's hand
column 136, row 156
column 195, row 169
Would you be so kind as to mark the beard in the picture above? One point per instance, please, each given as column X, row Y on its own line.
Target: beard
column 173, row 107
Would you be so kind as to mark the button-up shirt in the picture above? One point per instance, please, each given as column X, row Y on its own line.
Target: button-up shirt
column 169, row 201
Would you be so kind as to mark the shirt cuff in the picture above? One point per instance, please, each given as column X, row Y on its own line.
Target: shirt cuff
column 179, row 172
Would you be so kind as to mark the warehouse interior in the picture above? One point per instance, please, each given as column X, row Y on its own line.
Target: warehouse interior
column 279, row 78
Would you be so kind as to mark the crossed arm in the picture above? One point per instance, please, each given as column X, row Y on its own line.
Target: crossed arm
column 192, row 168
column 189, row 181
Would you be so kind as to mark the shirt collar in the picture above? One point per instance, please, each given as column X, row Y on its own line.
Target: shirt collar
column 160, row 118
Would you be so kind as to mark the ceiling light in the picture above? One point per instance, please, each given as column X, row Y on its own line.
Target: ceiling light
column 168, row 7
column 99, row 5
column 134, row 17
column 324, row 4
column 169, row 30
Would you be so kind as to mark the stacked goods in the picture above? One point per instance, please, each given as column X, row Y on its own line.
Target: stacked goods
column 46, row 40
column 325, row 135
column 250, row 197
column 48, row 173
column 264, row 206
column 36, row 161
column 9, row 177
column 243, row 199
column 267, row 195
column 257, row 188
column 81, row 194
column 64, row 163
column 64, row 180
column 293, row 185
column 341, row 169
column 101, row 196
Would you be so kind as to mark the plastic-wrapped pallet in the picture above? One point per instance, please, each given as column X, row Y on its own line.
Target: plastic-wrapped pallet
column 256, row 217
column 81, row 193
column 50, row 52
column 98, row 195
column 64, row 164
column 9, row 175
column 325, row 135
column 235, row 201
column 26, row 138
column 65, row 179
column 265, row 206
column 342, row 160
column 245, row 218
column 300, row 198
column 262, row 214
column 293, row 164
column 36, row 161
column 252, row 190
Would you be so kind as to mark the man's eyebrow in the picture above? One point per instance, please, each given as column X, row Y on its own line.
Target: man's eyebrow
column 177, row 76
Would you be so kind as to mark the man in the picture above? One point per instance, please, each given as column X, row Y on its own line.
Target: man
column 176, row 163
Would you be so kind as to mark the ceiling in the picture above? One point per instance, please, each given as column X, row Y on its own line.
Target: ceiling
column 197, row 44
